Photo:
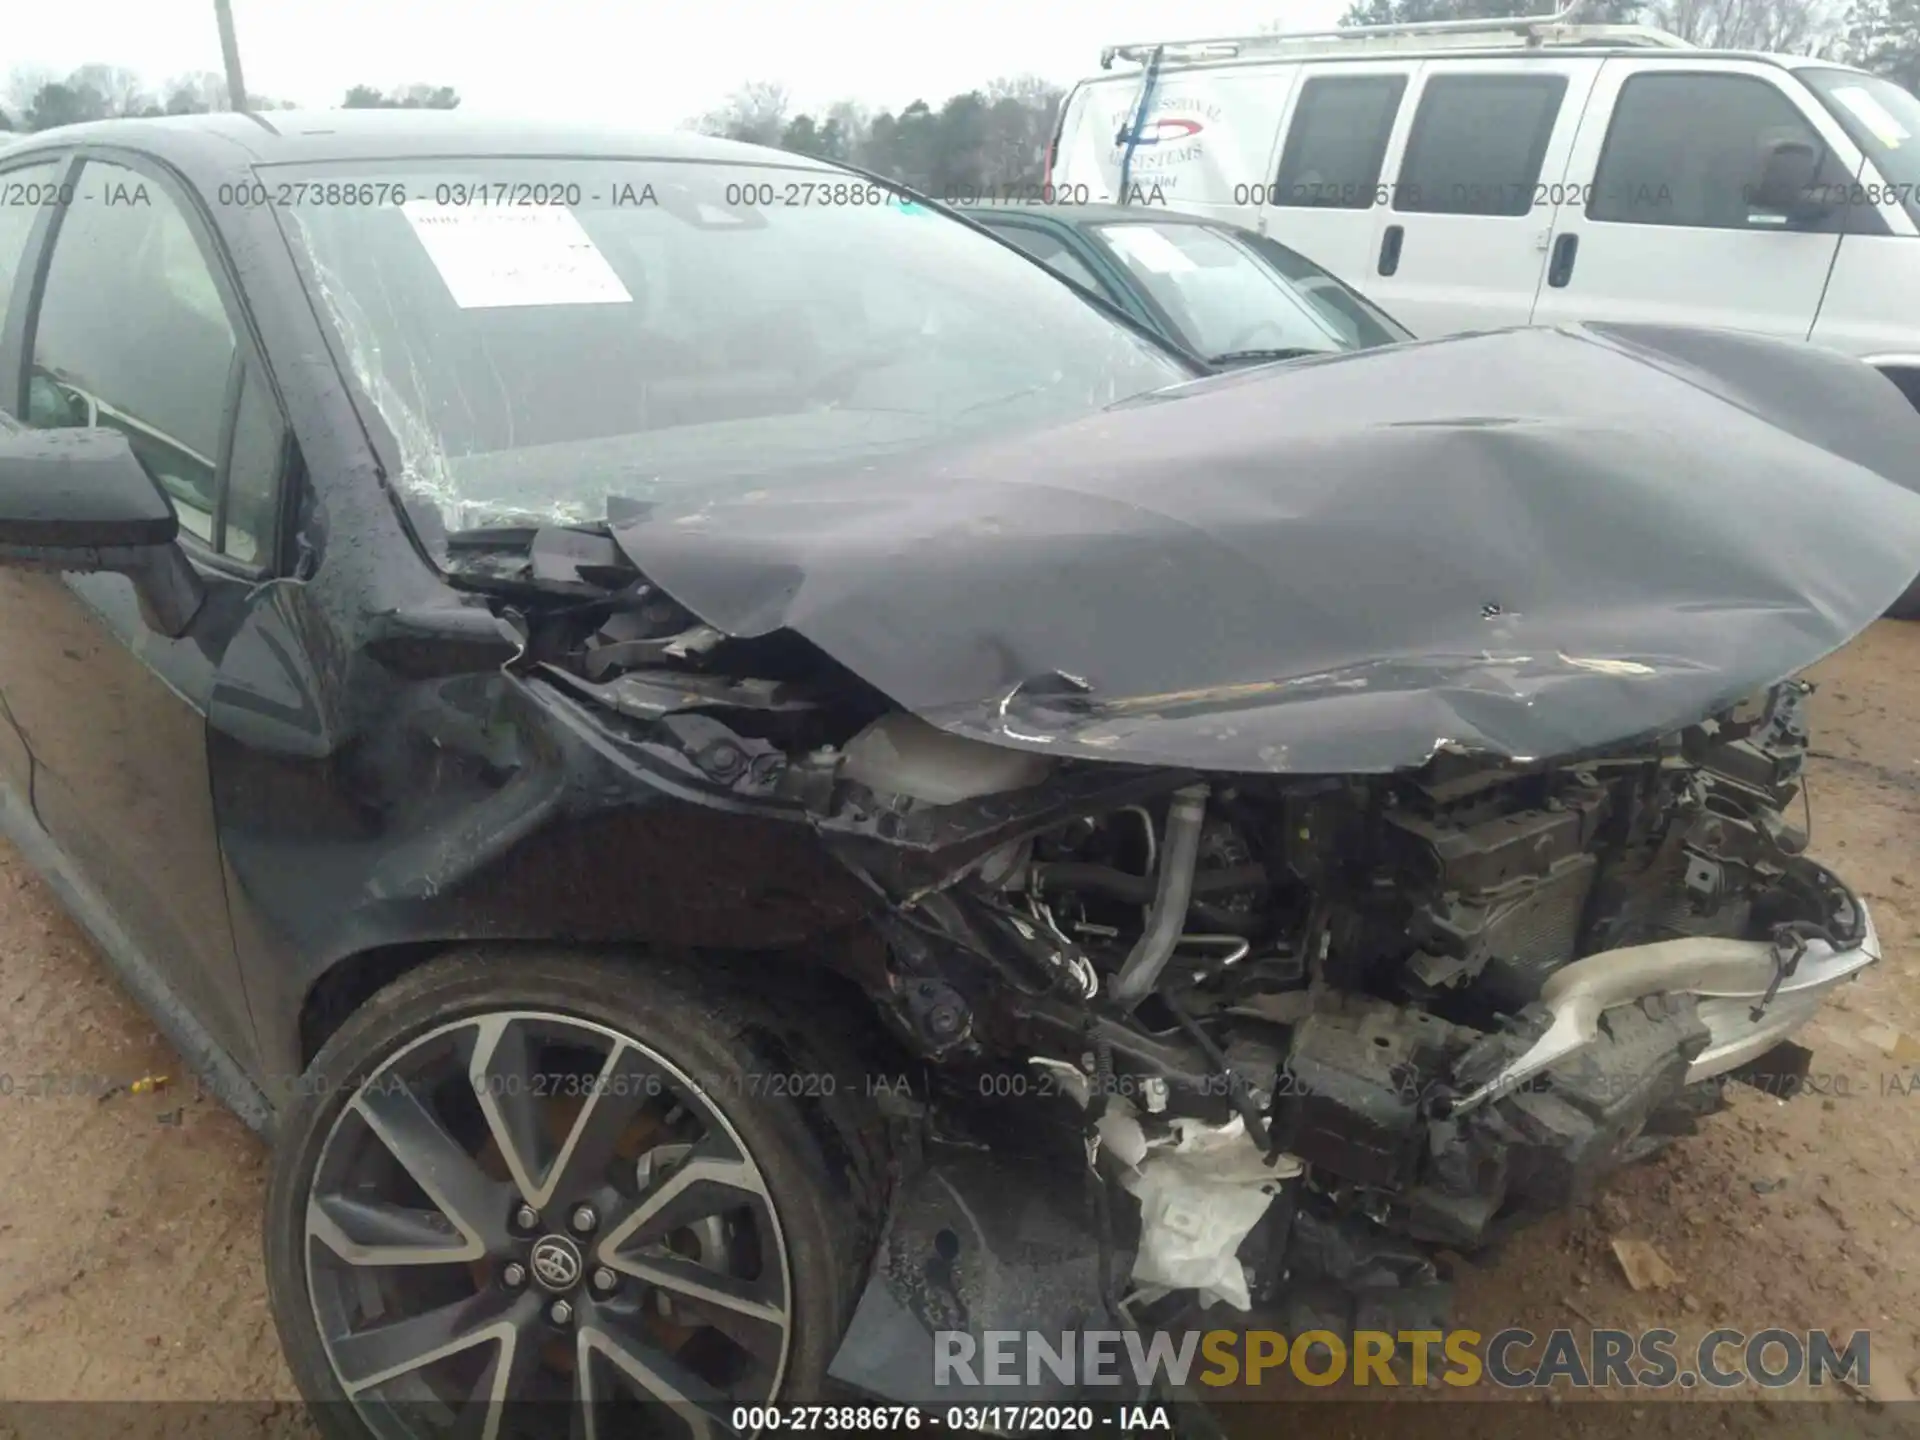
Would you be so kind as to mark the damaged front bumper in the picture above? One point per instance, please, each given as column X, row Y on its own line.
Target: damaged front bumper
column 980, row 1243
column 1750, row 996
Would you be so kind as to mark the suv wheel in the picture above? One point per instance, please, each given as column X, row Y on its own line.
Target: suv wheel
column 550, row 1178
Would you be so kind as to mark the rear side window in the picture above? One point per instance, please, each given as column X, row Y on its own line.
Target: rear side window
column 1477, row 144
column 1690, row 149
column 1338, row 141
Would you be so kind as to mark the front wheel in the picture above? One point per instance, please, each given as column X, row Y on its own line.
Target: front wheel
column 526, row 1194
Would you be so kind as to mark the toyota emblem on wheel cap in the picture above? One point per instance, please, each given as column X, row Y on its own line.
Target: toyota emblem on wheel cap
column 556, row 1262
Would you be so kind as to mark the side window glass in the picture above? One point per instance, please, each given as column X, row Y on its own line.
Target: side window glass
column 1477, row 143
column 131, row 334
column 1338, row 141
column 255, row 465
column 1691, row 150
column 1052, row 252
column 24, row 194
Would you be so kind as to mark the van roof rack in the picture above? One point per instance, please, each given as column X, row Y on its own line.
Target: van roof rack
column 1518, row 31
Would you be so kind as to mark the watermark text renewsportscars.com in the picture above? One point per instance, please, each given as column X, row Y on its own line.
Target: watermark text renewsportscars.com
column 1512, row 1359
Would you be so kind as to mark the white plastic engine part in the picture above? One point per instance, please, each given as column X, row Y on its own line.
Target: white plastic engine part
column 1199, row 1198
column 900, row 754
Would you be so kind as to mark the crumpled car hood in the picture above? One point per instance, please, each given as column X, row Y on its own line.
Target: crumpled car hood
column 1526, row 543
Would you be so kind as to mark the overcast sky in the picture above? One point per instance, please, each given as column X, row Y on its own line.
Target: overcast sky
column 647, row 64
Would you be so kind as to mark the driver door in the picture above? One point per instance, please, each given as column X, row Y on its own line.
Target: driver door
column 137, row 328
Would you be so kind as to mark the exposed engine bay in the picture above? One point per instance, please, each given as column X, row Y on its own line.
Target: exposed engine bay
column 1315, row 1025
column 1356, row 979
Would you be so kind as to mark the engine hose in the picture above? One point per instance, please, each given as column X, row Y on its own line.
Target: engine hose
column 1062, row 875
column 1103, row 1089
column 1237, row 1091
column 1139, row 889
column 1186, row 813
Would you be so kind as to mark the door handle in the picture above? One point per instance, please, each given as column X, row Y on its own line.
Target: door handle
column 1560, row 267
column 1390, row 248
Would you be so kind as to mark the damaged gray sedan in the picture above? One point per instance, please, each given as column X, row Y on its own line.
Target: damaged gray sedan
column 749, row 786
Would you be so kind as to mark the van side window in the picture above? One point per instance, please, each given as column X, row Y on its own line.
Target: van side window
column 1338, row 141
column 1689, row 150
column 1477, row 144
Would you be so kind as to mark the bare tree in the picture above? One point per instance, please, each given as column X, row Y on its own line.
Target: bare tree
column 1421, row 12
column 123, row 91
column 1794, row 27
column 1791, row 26
column 1019, row 128
column 23, row 83
column 756, row 113
column 980, row 142
column 411, row 97
column 195, row 93
column 843, row 135
column 1884, row 36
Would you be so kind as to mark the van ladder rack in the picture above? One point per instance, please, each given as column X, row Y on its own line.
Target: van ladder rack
column 1520, row 31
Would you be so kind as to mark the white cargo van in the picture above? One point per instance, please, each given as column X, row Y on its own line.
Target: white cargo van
column 1474, row 174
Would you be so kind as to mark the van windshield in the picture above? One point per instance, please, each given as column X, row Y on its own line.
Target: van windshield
column 1883, row 120
column 542, row 336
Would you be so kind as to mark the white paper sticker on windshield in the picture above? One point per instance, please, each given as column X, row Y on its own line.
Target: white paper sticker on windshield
column 493, row 257
column 1148, row 246
column 1879, row 120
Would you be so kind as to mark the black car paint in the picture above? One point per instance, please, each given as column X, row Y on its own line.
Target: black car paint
column 1585, row 534
column 332, row 768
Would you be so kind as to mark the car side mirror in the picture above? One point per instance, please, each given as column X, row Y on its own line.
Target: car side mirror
column 79, row 501
column 1788, row 179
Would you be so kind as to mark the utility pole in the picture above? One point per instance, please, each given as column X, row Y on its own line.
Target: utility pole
column 230, row 51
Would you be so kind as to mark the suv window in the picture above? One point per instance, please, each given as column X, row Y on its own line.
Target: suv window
column 1477, row 144
column 132, row 334
column 24, row 194
column 1052, row 252
column 1689, row 149
column 1338, row 141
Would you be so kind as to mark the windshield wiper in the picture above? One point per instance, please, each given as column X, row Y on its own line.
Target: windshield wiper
column 492, row 537
column 1235, row 357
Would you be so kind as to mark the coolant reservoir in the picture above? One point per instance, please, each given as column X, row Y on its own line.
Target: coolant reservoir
column 900, row 754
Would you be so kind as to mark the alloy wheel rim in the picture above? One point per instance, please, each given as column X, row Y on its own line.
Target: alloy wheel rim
column 525, row 1206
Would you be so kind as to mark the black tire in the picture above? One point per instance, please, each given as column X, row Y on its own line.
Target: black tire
column 820, row 1156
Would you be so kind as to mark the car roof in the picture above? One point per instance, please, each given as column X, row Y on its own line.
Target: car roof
column 276, row 137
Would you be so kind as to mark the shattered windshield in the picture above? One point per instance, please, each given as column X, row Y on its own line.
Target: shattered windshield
column 541, row 336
